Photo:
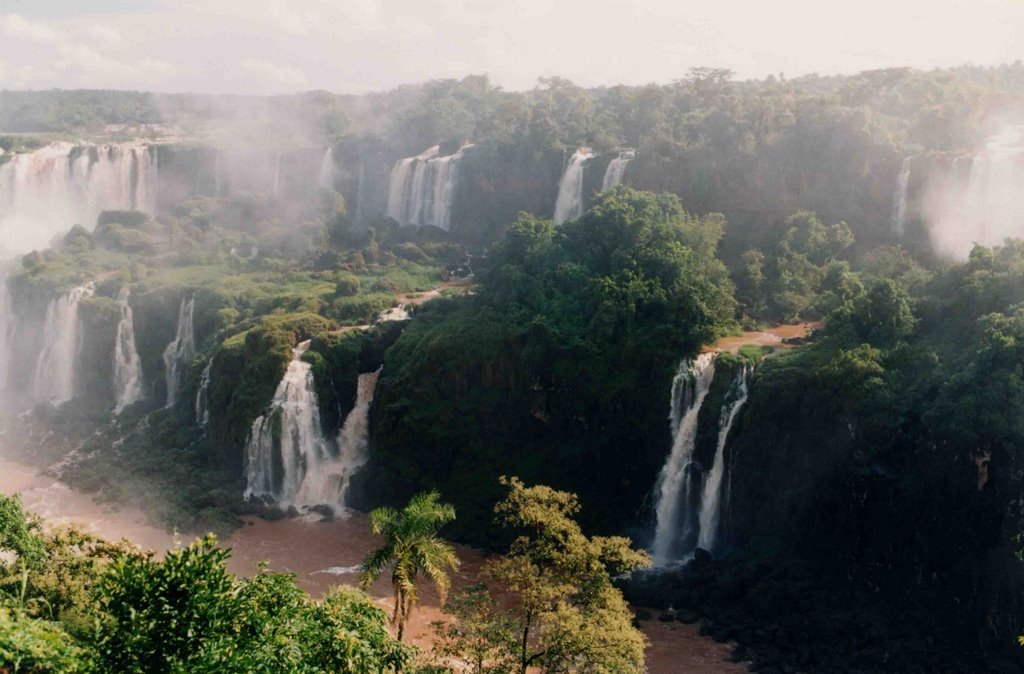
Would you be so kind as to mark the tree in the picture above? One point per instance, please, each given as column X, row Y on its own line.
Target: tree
column 411, row 547
column 564, row 613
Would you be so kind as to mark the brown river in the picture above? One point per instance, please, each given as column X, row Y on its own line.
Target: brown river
column 321, row 555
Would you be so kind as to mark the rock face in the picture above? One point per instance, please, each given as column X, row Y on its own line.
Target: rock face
column 906, row 548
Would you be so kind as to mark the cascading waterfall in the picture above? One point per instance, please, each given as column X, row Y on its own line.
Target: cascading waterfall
column 127, row 365
column 7, row 325
column 325, row 177
column 203, row 396
column 569, row 204
column 287, row 457
column 289, row 461
column 616, row 169
column 179, row 353
column 354, row 438
column 899, row 202
column 676, row 483
column 422, row 188
column 988, row 206
column 56, row 366
column 43, row 192
column 711, row 501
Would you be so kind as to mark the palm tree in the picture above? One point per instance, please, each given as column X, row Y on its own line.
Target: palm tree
column 412, row 547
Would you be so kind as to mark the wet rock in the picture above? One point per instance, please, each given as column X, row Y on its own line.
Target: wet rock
column 322, row 510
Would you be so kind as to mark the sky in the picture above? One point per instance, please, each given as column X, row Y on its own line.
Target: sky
column 355, row 46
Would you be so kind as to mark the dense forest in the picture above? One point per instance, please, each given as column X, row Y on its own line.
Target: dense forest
column 869, row 474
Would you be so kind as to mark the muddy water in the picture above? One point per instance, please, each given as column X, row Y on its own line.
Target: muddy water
column 770, row 337
column 322, row 555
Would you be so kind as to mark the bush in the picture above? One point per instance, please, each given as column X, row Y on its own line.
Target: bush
column 347, row 285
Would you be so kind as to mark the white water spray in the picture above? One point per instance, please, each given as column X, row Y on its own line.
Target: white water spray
column 127, row 365
column 325, row 177
column 179, row 353
column 675, row 483
column 711, row 501
column 422, row 188
column 569, row 204
column 56, row 367
column 354, row 436
column 286, row 451
column 616, row 169
column 899, row 201
column 44, row 192
column 7, row 327
column 203, row 396
column 987, row 207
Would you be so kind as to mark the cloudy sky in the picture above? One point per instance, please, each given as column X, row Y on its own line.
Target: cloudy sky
column 352, row 46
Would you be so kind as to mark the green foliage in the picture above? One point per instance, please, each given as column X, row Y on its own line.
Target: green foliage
column 561, row 612
column 20, row 532
column 347, row 285
column 563, row 353
column 32, row 646
column 411, row 548
column 188, row 614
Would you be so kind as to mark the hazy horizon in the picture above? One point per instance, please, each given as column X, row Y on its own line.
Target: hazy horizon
column 231, row 47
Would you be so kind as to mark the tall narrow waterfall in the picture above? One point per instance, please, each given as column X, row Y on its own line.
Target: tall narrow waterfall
column 7, row 326
column 203, row 396
column 56, row 366
column 178, row 354
column 569, row 204
column 899, row 201
column 988, row 206
column 676, row 486
column 325, row 177
column 616, row 169
column 353, row 438
column 127, row 366
column 43, row 193
column 711, row 501
column 422, row 188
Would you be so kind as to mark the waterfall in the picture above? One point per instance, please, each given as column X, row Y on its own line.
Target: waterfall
column 325, row 177
column 399, row 313
column 569, row 204
column 616, row 169
column 288, row 458
column 6, row 332
column 676, row 488
column 178, row 354
column 711, row 501
column 43, row 192
column 127, row 366
column 987, row 207
column 203, row 396
column 899, row 202
column 56, row 366
column 353, row 438
column 422, row 188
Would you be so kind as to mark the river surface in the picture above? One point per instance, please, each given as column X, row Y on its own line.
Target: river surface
column 322, row 555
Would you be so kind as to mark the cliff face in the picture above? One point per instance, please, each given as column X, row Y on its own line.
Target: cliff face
column 911, row 518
